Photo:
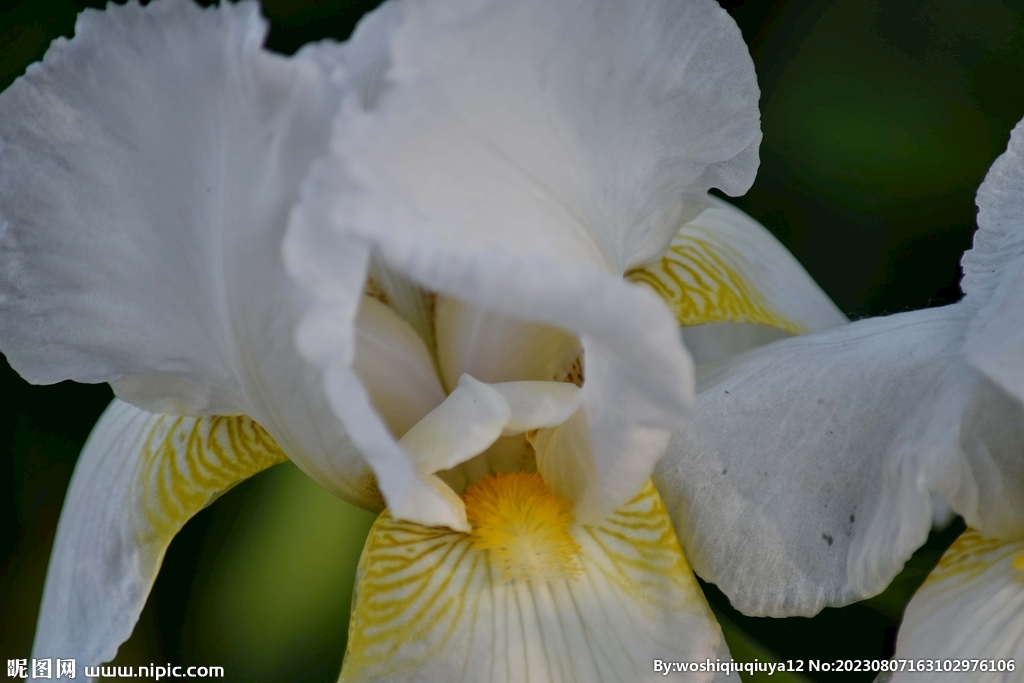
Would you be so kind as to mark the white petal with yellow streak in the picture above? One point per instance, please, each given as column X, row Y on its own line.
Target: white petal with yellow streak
column 971, row 607
column 725, row 268
column 430, row 606
column 140, row 477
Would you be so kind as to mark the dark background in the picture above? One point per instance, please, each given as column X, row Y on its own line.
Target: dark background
column 880, row 120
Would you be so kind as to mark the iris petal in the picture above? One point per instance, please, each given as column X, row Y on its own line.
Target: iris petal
column 971, row 607
column 431, row 605
column 139, row 479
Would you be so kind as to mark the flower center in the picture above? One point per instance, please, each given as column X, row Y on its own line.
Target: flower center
column 523, row 526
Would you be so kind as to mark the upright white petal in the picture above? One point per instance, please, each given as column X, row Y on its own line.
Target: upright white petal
column 147, row 168
column 994, row 271
column 524, row 178
column 139, row 479
column 969, row 612
column 588, row 129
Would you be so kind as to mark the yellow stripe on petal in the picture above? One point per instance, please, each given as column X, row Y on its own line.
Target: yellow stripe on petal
column 725, row 267
column 703, row 280
column 970, row 555
column 140, row 477
column 186, row 463
column 970, row 607
column 437, row 605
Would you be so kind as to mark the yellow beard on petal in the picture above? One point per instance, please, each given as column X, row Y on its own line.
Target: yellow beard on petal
column 523, row 526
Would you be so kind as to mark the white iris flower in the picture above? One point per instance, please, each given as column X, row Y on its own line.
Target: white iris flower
column 811, row 469
column 398, row 262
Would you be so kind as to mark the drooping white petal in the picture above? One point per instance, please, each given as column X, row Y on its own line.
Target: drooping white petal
column 431, row 606
column 805, row 477
column 994, row 272
column 725, row 273
column 824, row 458
column 147, row 168
column 140, row 477
column 970, row 610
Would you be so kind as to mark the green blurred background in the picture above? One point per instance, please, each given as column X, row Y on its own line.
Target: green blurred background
column 880, row 120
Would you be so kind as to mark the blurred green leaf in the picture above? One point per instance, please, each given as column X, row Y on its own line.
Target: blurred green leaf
column 279, row 591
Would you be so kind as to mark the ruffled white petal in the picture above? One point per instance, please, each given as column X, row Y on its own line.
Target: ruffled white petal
column 805, row 476
column 994, row 272
column 999, row 242
column 139, row 479
column 970, row 610
column 430, row 606
column 123, row 190
column 522, row 179
column 147, row 169
column 585, row 129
